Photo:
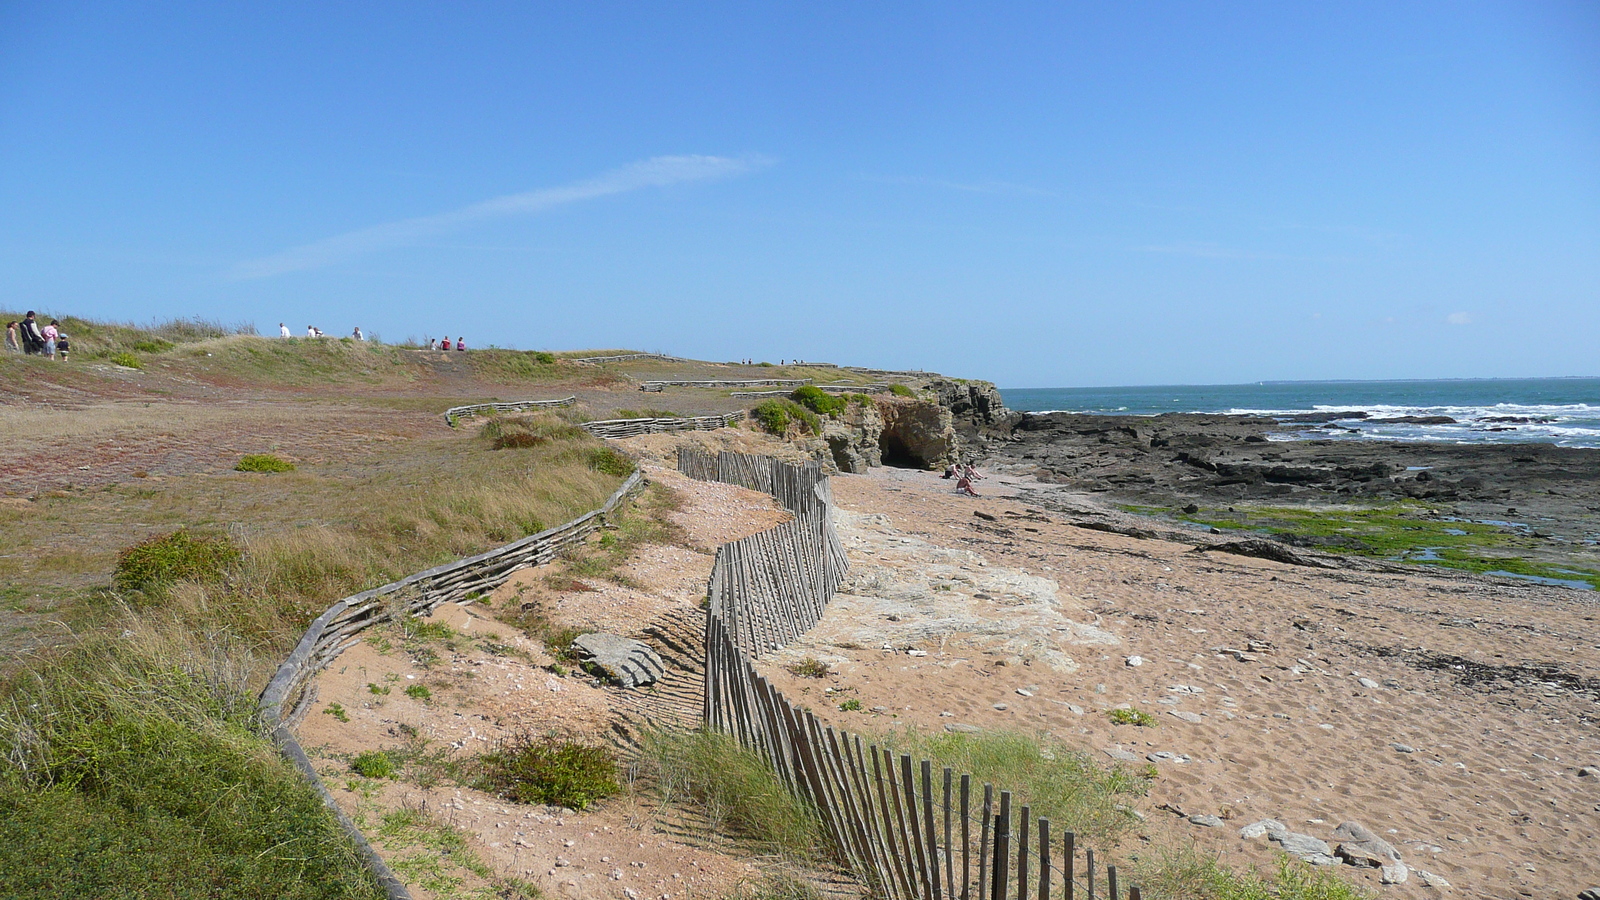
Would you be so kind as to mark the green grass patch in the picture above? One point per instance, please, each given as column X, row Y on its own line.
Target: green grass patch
column 1062, row 784
column 263, row 462
column 1190, row 874
column 851, row 705
column 1410, row 532
column 134, row 762
column 900, row 390
column 648, row 414
column 418, row 692
column 733, row 791
column 514, row 365
column 126, row 360
column 549, row 770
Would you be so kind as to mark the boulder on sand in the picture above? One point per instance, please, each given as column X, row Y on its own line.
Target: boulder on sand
column 628, row 662
column 1360, row 847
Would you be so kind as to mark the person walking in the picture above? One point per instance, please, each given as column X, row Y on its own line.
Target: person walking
column 62, row 346
column 11, row 338
column 51, row 332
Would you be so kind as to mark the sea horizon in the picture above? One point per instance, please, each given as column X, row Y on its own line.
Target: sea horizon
column 1561, row 410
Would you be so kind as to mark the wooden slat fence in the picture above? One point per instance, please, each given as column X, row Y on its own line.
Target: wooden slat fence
column 757, row 382
column 623, row 357
column 341, row 625
column 478, row 409
column 907, row 832
column 621, row 428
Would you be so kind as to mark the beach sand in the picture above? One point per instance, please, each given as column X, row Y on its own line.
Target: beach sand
column 1350, row 707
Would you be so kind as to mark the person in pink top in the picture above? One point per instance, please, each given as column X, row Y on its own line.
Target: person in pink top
column 445, row 344
column 51, row 332
column 461, row 343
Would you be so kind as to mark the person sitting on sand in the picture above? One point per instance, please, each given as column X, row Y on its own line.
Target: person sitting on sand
column 949, row 472
column 964, row 486
column 972, row 473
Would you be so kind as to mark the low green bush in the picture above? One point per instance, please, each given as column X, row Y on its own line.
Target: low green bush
column 810, row 667
column 373, row 764
column 550, row 771
column 818, row 401
column 418, row 692
column 263, row 462
column 1131, row 717
column 126, row 360
column 152, row 566
column 900, row 390
column 648, row 414
column 152, row 345
column 610, row 461
column 776, row 416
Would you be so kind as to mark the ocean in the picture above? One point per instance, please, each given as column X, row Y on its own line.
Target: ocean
column 1561, row 411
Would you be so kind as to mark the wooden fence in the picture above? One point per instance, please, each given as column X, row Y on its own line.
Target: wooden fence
column 478, row 409
column 340, row 627
column 621, row 357
column 621, row 428
column 882, row 816
column 755, row 382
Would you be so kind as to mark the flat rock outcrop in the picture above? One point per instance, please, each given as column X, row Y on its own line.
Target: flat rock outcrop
column 628, row 662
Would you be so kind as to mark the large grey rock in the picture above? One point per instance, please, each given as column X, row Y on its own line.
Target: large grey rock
column 1360, row 847
column 1437, row 881
column 1263, row 827
column 628, row 662
column 1296, row 844
column 1395, row 874
column 1185, row 715
column 1208, row 821
column 1589, row 894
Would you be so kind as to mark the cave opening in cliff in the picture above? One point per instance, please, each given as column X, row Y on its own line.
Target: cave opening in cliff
column 897, row 454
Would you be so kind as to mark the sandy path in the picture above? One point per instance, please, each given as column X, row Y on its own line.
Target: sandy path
column 1027, row 623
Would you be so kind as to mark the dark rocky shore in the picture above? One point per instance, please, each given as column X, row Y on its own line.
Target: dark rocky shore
column 1182, row 462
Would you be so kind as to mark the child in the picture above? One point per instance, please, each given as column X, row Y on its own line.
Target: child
column 62, row 346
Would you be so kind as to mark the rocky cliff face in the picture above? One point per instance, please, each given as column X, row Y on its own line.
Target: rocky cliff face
column 975, row 406
column 854, row 439
column 916, row 434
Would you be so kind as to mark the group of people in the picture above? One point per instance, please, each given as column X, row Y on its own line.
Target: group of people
column 29, row 337
column 460, row 344
column 965, row 475
column 313, row 331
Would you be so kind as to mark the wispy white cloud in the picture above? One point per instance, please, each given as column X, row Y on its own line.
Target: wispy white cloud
column 659, row 171
column 1459, row 318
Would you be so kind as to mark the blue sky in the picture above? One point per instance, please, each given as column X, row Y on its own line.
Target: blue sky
column 1036, row 194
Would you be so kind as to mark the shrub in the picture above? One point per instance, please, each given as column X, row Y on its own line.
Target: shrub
column 263, row 462
column 337, row 711
column 851, row 705
column 1131, row 717
column 810, row 667
column 610, row 461
column 776, row 415
column 152, row 345
column 528, row 431
column 153, row 566
column 126, row 360
column 818, row 401
column 418, row 692
column 551, row 771
column 373, row 764
column 900, row 390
